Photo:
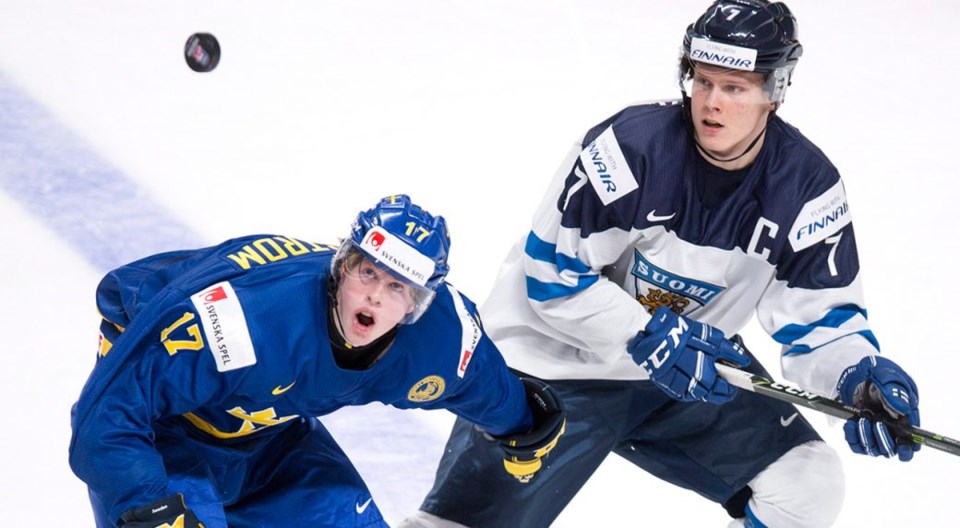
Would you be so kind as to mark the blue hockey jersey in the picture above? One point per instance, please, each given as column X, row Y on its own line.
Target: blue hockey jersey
column 623, row 230
column 232, row 342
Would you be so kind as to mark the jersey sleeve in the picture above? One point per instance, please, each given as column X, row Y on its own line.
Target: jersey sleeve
column 581, row 227
column 814, row 307
column 169, row 371
column 487, row 393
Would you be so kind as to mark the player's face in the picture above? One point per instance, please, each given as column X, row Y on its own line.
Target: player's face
column 370, row 302
column 729, row 109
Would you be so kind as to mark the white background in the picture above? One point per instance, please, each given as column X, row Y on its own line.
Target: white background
column 320, row 107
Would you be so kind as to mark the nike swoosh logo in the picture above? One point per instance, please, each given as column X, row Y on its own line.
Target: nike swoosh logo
column 787, row 421
column 363, row 507
column 652, row 216
column 280, row 390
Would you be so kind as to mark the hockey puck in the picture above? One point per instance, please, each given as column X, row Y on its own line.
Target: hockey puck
column 202, row 52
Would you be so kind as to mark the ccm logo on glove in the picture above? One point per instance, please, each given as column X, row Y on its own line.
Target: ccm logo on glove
column 655, row 361
column 680, row 356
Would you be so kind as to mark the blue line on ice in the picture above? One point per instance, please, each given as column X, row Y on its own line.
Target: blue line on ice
column 90, row 204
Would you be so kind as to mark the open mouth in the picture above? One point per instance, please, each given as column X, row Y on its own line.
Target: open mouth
column 713, row 125
column 365, row 320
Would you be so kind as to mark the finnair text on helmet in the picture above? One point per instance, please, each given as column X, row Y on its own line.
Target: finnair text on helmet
column 710, row 52
column 721, row 60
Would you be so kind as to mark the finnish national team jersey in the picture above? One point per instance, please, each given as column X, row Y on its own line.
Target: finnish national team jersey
column 623, row 230
column 231, row 343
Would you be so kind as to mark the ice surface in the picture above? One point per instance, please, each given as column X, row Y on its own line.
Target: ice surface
column 111, row 148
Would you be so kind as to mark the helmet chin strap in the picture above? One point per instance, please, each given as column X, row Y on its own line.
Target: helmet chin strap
column 752, row 144
column 335, row 306
column 336, row 311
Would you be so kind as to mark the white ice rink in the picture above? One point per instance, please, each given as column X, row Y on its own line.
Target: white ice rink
column 111, row 148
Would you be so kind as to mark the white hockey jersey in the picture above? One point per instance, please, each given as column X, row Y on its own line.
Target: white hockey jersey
column 623, row 230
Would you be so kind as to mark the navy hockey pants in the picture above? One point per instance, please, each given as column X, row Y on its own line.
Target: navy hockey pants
column 714, row 450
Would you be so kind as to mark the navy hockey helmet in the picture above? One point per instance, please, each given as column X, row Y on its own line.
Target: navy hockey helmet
column 405, row 240
column 747, row 35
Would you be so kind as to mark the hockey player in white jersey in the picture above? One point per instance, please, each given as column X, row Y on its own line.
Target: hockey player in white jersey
column 667, row 227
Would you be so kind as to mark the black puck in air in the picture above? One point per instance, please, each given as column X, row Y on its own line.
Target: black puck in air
column 202, row 52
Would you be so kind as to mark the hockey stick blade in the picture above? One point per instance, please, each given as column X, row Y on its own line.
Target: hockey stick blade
column 783, row 392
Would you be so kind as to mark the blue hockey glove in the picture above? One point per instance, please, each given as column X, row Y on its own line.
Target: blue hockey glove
column 523, row 452
column 165, row 512
column 680, row 355
column 880, row 387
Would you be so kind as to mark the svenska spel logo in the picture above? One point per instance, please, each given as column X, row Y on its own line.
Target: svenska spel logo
column 375, row 239
column 214, row 295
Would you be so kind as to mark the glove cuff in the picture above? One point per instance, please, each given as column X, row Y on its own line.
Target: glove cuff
column 524, row 451
column 850, row 385
column 169, row 506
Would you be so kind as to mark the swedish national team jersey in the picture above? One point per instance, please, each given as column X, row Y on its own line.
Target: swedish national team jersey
column 624, row 230
column 231, row 342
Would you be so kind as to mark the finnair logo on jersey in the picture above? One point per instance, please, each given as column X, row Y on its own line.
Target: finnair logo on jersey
column 607, row 168
column 701, row 292
column 719, row 54
column 820, row 218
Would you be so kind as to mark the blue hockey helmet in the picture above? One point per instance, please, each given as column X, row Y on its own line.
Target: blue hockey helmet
column 746, row 35
column 406, row 241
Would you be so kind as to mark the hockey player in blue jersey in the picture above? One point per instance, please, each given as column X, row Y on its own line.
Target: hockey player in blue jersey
column 215, row 362
column 667, row 227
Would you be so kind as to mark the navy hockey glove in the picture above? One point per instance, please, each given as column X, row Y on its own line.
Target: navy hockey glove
column 680, row 355
column 523, row 452
column 882, row 389
column 166, row 512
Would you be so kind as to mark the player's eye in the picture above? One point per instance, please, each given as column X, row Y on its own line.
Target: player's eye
column 367, row 273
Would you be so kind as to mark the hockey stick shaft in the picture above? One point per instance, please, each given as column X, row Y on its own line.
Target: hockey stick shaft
column 780, row 391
